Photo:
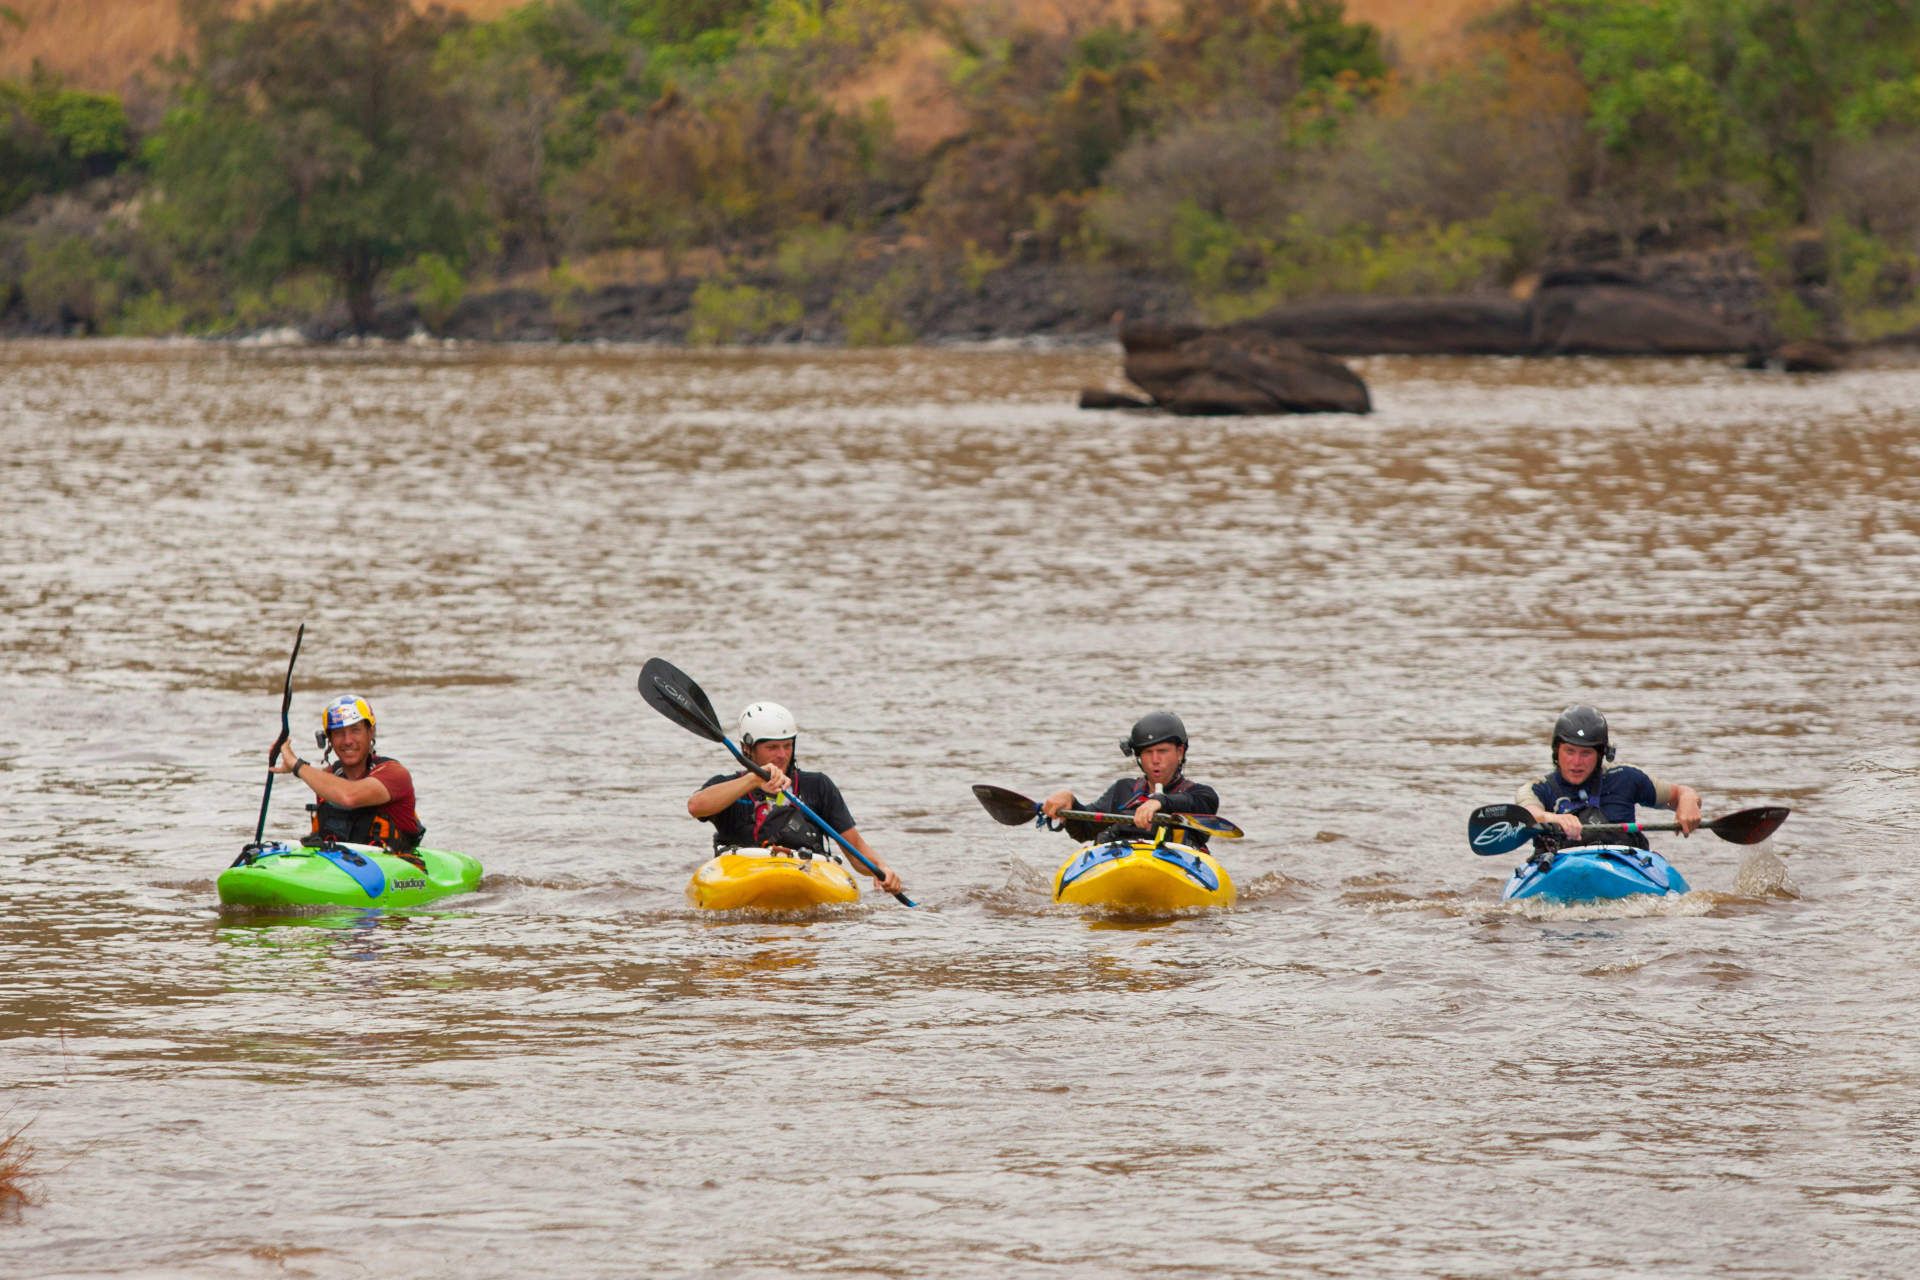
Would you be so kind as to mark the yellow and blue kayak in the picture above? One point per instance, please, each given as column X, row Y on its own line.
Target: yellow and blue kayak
column 771, row 880
column 343, row 875
column 1144, row 876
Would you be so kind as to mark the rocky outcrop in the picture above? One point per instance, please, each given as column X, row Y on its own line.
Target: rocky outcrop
column 1627, row 320
column 1588, row 309
column 1102, row 398
column 1190, row 370
column 1799, row 357
column 1405, row 326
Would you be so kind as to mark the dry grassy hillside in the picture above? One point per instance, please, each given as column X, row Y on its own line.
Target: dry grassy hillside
column 104, row 44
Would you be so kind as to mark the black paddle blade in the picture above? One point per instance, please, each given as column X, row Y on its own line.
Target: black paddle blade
column 1008, row 808
column 672, row 693
column 1749, row 826
column 1498, row 828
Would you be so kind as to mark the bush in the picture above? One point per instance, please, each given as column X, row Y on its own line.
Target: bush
column 53, row 138
column 1873, row 185
column 876, row 316
column 976, row 264
column 67, row 283
column 742, row 158
column 724, row 312
column 812, row 253
column 1169, row 193
column 435, row 285
column 564, row 289
column 1875, row 281
column 151, row 315
column 293, row 298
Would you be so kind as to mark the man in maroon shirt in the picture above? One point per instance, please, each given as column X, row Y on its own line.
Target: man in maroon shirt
column 364, row 798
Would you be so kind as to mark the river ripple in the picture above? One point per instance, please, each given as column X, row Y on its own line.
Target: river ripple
column 1369, row 1068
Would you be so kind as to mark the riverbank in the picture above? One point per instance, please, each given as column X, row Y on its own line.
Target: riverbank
column 831, row 288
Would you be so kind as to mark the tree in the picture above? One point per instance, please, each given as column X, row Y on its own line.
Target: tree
column 1705, row 106
column 315, row 134
column 53, row 138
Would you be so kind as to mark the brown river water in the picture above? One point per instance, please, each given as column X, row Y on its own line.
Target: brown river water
column 1370, row 1067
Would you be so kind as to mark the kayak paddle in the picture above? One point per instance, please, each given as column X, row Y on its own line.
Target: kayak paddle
column 672, row 693
column 1502, row 828
column 273, row 753
column 1011, row 809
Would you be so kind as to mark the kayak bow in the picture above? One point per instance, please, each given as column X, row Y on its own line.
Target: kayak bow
column 770, row 880
column 1143, row 876
column 1591, row 873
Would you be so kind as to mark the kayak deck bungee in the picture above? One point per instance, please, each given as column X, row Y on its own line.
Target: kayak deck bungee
column 1591, row 873
column 771, row 880
column 345, row 875
column 1143, row 875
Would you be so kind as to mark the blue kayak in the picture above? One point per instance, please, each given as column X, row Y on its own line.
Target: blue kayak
column 1589, row 873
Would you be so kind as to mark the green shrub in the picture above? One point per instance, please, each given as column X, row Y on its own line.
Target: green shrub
column 812, row 253
column 435, row 285
column 53, row 138
column 1792, row 318
column 565, row 289
column 151, row 315
column 1875, row 282
column 68, row 283
column 976, row 264
column 877, row 316
column 724, row 312
column 1202, row 246
column 290, row 299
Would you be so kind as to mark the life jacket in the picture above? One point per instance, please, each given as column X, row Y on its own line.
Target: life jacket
column 1585, row 803
column 360, row 826
column 1142, row 792
column 786, row 826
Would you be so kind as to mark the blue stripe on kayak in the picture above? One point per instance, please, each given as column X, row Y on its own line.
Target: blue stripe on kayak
column 1641, row 863
column 1091, row 858
column 365, row 871
column 276, row 851
column 1190, row 864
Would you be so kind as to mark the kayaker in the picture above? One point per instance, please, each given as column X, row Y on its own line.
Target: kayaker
column 1586, row 786
column 363, row 797
column 1158, row 743
column 748, row 813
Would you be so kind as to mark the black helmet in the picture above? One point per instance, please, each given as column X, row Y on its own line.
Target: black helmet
column 1153, row 729
column 1583, row 726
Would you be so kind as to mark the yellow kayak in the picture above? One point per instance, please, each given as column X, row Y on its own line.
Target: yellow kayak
column 770, row 880
column 1144, row 876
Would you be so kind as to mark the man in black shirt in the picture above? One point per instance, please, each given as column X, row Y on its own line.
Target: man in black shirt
column 1159, row 743
column 749, row 813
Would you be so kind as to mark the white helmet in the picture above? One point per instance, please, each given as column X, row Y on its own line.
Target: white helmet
column 767, row 722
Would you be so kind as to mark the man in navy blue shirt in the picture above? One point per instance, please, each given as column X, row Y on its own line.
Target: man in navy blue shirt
column 1158, row 742
column 747, row 812
column 1585, row 786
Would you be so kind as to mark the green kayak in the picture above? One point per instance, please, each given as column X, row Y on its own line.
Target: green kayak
column 344, row 875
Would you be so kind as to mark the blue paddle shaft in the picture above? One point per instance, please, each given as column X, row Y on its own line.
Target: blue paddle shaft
column 812, row 817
